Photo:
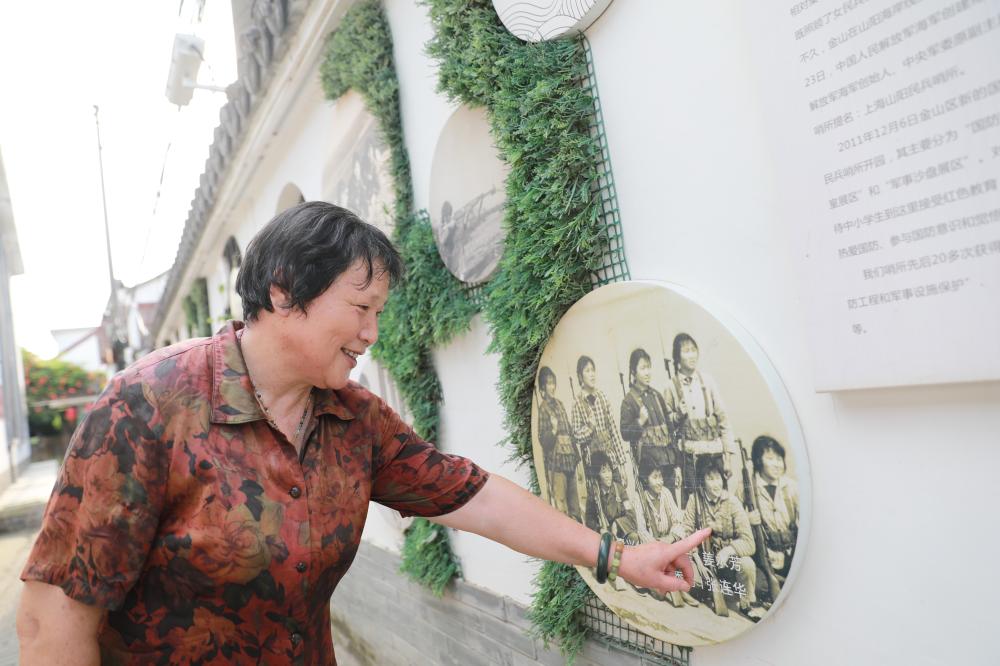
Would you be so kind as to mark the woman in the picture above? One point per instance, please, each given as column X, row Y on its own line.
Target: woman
column 644, row 417
column 615, row 512
column 777, row 503
column 216, row 493
column 697, row 417
column 594, row 430
column 560, row 455
column 663, row 517
column 727, row 555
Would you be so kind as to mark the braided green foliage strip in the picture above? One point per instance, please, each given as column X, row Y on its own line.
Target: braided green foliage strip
column 199, row 321
column 427, row 557
column 559, row 595
column 359, row 57
column 430, row 307
column 428, row 310
column 539, row 118
column 191, row 316
column 540, row 115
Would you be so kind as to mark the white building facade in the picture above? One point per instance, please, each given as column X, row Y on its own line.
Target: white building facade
column 896, row 472
column 15, row 446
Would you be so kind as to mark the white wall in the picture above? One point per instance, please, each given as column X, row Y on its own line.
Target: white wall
column 424, row 110
column 86, row 354
column 471, row 415
column 902, row 478
column 472, row 425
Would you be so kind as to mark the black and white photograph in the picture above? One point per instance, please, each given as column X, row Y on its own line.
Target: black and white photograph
column 467, row 197
column 361, row 173
column 651, row 419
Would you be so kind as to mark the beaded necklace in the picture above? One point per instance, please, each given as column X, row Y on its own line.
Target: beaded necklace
column 267, row 412
column 270, row 419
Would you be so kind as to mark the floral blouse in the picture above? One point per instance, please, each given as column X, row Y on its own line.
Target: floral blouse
column 199, row 527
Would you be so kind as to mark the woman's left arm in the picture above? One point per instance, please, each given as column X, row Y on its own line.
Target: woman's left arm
column 508, row 514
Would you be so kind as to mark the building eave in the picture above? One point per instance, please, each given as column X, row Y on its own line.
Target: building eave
column 264, row 46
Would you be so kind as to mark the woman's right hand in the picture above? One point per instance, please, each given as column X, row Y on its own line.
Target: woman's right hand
column 654, row 565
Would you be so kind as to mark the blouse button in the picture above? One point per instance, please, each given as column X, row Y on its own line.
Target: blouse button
column 301, row 567
column 296, row 638
column 295, row 492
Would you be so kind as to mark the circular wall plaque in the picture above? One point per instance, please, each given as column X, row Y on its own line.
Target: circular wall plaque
column 653, row 417
column 542, row 20
column 358, row 174
column 467, row 197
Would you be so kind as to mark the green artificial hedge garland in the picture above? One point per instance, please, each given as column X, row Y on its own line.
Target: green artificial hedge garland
column 555, row 237
column 196, row 314
column 540, row 117
column 191, row 316
column 430, row 307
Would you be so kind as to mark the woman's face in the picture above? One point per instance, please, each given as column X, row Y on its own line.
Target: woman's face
column 689, row 356
column 606, row 476
column 655, row 481
column 643, row 372
column 589, row 377
column 549, row 386
column 713, row 485
column 772, row 465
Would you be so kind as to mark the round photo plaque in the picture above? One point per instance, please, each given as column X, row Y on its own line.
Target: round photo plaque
column 467, row 197
column 653, row 417
column 542, row 20
column 358, row 173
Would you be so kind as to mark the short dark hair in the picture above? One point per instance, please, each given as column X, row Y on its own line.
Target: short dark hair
column 679, row 340
column 637, row 355
column 303, row 249
column 760, row 446
column 598, row 459
column 646, row 467
column 581, row 364
column 544, row 374
column 707, row 465
column 650, row 465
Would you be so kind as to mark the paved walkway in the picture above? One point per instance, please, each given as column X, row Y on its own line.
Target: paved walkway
column 22, row 503
column 21, row 507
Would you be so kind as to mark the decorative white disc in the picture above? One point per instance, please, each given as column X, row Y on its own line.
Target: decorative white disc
column 358, row 174
column 543, row 20
column 468, row 193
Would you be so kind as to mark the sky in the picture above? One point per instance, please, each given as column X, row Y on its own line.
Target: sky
column 57, row 60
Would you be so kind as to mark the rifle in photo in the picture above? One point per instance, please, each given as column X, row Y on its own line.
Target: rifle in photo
column 709, row 573
column 751, row 503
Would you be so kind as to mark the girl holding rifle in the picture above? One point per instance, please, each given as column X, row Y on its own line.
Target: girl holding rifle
column 594, row 431
column 696, row 415
column 644, row 416
column 561, row 456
